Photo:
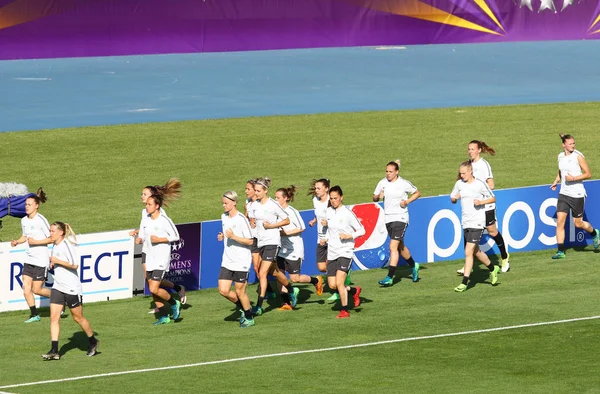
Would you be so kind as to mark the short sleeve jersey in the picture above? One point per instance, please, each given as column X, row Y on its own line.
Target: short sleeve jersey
column 472, row 216
column 158, row 256
column 320, row 214
column 569, row 165
column 393, row 193
column 292, row 246
column 66, row 280
column 483, row 171
column 270, row 212
column 236, row 257
column 38, row 229
column 342, row 220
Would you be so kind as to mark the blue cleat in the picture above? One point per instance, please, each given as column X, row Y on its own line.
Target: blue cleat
column 294, row 297
column 162, row 320
column 257, row 311
column 559, row 255
column 33, row 319
column 387, row 281
column 415, row 272
column 176, row 309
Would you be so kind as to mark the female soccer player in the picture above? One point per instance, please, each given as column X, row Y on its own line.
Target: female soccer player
column 483, row 171
column 170, row 191
column 572, row 170
column 343, row 227
column 157, row 231
column 395, row 193
column 473, row 195
column 320, row 192
column 66, row 288
column 236, row 257
column 291, row 253
column 269, row 217
column 35, row 269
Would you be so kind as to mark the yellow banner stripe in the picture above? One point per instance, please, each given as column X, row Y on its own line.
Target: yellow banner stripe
column 594, row 24
column 483, row 5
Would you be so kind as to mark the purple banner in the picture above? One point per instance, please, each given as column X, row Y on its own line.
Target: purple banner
column 70, row 28
column 185, row 258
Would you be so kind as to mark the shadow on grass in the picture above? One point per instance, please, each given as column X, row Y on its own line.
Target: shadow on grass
column 79, row 340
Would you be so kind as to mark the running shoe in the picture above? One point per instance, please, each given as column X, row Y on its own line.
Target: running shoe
column 460, row 288
column 246, row 322
column 357, row 296
column 33, row 319
column 348, row 281
column 596, row 239
column 285, row 307
column 176, row 309
column 91, row 351
column 495, row 274
column 343, row 315
column 334, row 297
column 162, row 320
column 319, row 286
column 51, row 355
column 415, row 272
column 387, row 281
column 257, row 311
column 294, row 297
column 182, row 295
column 559, row 255
column 506, row 263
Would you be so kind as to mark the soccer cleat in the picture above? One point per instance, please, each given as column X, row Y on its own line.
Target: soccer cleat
column 334, row 297
column 506, row 263
column 343, row 314
column 460, row 288
column 176, row 309
column 182, row 295
column 387, row 281
column 596, row 239
column 559, row 255
column 257, row 311
column 347, row 282
column 152, row 311
column 285, row 307
column 246, row 322
column 415, row 272
column 91, row 351
column 33, row 319
column 162, row 320
column 294, row 297
column 51, row 355
column 495, row 274
column 357, row 296
column 319, row 286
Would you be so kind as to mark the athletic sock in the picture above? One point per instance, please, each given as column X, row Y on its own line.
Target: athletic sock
column 34, row 311
column 92, row 340
column 171, row 301
column 314, row 280
column 465, row 280
column 500, row 242
column 561, row 247
column 248, row 314
column 177, row 288
column 238, row 304
column 411, row 262
column 289, row 288
column 260, row 302
column 352, row 291
column 391, row 271
column 593, row 232
column 54, row 346
column 345, row 308
column 491, row 266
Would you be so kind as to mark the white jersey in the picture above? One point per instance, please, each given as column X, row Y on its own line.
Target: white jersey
column 292, row 246
column 268, row 212
column 158, row 256
column 472, row 216
column 393, row 193
column 320, row 214
column 569, row 165
column 249, row 202
column 38, row 229
column 236, row 257
column 483, row 171
column 145, row 216
column 342, row 220
column 66, row 280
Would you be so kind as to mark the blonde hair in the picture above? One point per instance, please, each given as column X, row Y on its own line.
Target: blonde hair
column 231, row 195
column 264, row 182
column 67, row 230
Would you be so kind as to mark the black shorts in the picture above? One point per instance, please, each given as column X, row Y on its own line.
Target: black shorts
column 60, row 298
column 321, row 253
column 396, row 230
column 269, row 252
column 156, row 275
column 35, row 273
column 339, row 264
column 576, row 205
column 235, row 276
column 254, row 247
column 290, row 266
column 490, row 217
column 473, row 235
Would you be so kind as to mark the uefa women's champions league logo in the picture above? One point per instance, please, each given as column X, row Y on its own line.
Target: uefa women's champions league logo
column 175, row 247
column 543, row 5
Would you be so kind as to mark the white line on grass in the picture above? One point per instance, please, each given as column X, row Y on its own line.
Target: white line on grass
column 329, row 349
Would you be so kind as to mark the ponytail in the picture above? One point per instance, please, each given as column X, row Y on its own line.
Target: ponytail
column 311, row 189
column 565, row 137
column 485, row 148
column 169, row 192
column 67, row 230
column 288, row 192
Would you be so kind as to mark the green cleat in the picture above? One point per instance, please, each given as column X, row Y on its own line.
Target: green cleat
column 175, row 309
column 294, row 297
column 257, row 311
column 495, row 274
column 387, row 281
column 246, row 322
column 506, row 263
column 415, row 272
column 347, row 282
column 33, row 319
column 162, row 320
column 334, row 297
column 559, row 255
column 596, row 239
column 460, row 288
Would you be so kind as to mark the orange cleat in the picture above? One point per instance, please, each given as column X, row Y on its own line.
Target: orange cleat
column 343, row 315
column 285, row 307
column 319, row 285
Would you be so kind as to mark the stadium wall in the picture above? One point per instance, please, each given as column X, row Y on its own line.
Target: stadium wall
column 70, row 28
column 110, row 266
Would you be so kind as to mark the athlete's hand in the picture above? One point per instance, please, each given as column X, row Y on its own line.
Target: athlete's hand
column 154, row 239
column 229, row 233
column 403, row 203
column 139, row 241
column 322, row 242
column 477, row 203
column 220, row 237
column 344, row 236
column 312, row 222
column 134, row 233
column 324, row 222
column 13, row 243
column 553, row 186
column 267, row 225
column 252, row 223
